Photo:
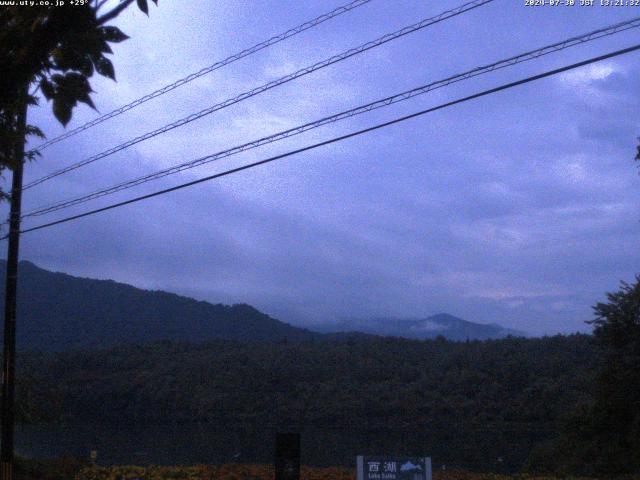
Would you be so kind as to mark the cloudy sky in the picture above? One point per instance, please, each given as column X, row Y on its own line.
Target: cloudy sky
column 520, row 208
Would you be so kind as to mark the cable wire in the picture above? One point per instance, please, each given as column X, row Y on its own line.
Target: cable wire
column 268, row 86
column 178, row 83
column 338, row 139
column 523, row 57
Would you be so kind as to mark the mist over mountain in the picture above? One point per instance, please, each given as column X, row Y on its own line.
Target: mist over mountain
column 57, row 312
column 442, row 324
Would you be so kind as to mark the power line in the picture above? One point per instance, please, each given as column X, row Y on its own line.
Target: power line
column 178, row 83
column 268, row 86
column 531, row 55
column 340, row 138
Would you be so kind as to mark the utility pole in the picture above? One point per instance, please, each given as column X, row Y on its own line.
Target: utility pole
column 9, row 358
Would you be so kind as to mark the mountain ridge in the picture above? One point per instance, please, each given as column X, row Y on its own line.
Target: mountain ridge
column 58, row 311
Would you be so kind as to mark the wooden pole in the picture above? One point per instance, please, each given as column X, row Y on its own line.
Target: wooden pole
column 9, row 358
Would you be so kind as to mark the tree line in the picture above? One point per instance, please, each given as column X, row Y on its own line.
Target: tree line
column 469, row 403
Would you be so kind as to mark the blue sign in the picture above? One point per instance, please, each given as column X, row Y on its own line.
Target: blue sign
column 393, row 468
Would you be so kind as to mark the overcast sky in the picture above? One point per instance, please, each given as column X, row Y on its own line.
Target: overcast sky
column 520, row 208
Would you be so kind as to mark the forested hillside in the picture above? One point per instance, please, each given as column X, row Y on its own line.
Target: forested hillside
column 468, row 403
column 57, row 311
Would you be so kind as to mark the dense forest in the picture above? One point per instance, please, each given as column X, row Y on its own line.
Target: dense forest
column 469, row 404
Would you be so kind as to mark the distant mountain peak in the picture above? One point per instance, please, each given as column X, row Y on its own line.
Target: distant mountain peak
column 440, row 324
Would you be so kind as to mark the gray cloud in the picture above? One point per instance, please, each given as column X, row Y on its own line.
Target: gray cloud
column 520, row 208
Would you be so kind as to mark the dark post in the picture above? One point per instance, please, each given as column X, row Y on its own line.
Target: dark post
column 8, row 372
column 288, row 456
